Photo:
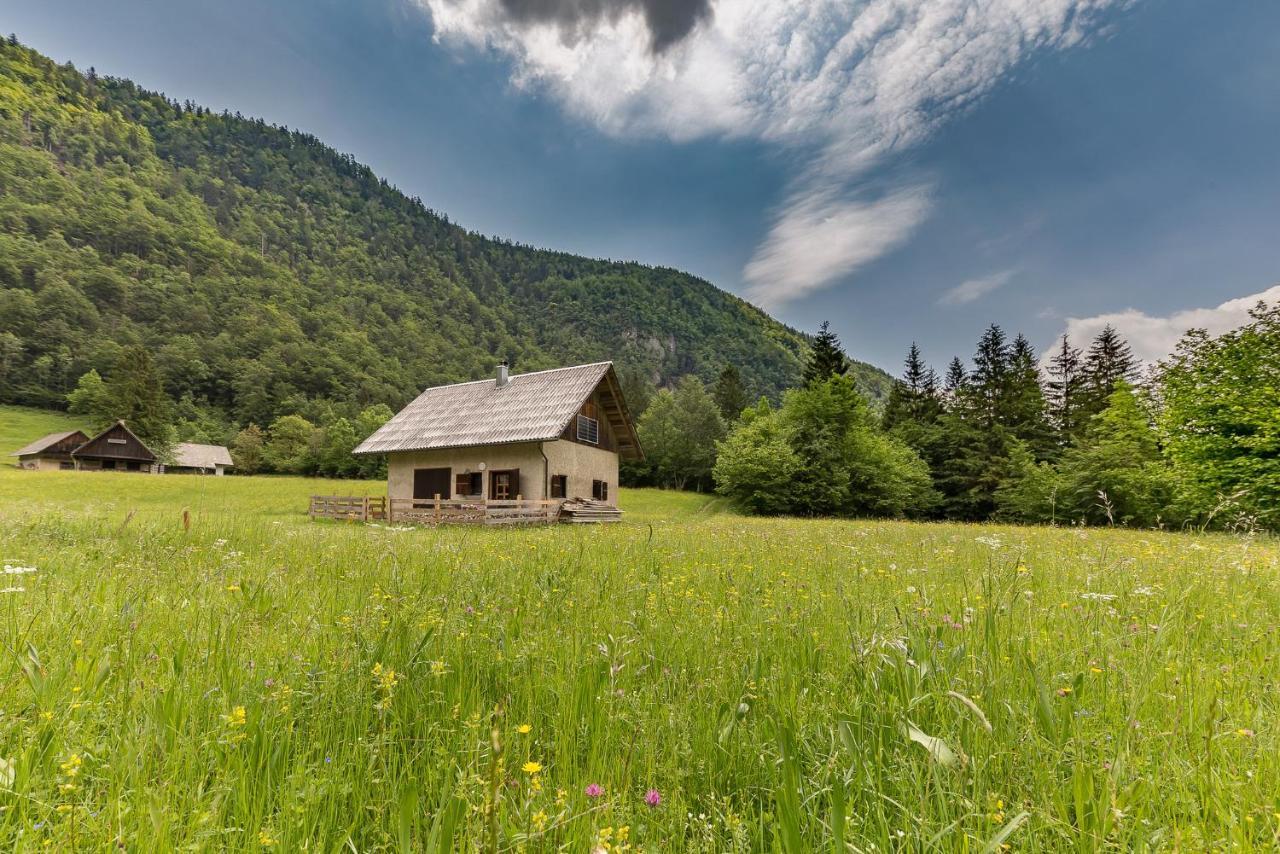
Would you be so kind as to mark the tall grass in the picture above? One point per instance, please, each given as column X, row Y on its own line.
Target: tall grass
column 264, row 681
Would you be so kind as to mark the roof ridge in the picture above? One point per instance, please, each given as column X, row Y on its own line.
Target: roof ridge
column 517, row 376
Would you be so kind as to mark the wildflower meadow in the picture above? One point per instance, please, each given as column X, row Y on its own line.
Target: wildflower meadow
column 688, row 680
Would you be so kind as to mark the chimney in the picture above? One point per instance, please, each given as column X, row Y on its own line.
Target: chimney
column 502, row 373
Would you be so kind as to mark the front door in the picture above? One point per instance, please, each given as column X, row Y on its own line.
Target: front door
column 428, row 483
column 504, row 485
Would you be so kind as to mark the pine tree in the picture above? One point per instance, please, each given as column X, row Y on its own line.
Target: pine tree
column 730, row 394
column 826, row 359
column 1066, row 383
column 1108, row 362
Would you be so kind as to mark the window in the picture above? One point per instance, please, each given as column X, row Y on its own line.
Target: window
column 469, row 483
column 115, row 441
column 504, row 485
column 66, row 465
column 588, row 430
column 600, row 490
column 559, row 486
column 108, row 464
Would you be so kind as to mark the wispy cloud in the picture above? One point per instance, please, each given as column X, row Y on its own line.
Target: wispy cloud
column 848, row 85
column 1153, row 337
column 975, row 289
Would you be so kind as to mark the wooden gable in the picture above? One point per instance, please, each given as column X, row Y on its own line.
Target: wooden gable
column 117, row 442
column 608, row 410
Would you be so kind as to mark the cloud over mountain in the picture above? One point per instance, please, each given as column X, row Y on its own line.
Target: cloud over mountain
column 845, row 86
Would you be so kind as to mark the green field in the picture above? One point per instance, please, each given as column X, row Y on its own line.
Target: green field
column 20, row 425
column 265, row 681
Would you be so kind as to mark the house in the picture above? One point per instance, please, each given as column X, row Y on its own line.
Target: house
column 52, row 452
column 541, row 435
column 193, row 458
column 115, row 449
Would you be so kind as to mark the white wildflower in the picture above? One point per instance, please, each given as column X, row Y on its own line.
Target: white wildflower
column 1098, row 597
column 12, row 589
column 18, row 570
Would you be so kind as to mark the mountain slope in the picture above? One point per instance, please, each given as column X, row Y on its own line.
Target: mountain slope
column 271, row 274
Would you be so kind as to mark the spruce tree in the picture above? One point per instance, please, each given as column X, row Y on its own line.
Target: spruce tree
column 1108, row 362
column 135, row 396
column 826, row 358
column 915, row 397
column 956, row 378
column 1065, row 386
column 730, row 394
column 1023, row 410
column 991, row 367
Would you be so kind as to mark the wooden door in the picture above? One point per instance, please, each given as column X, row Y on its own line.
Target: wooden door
column 428, row 483
column 504, row 485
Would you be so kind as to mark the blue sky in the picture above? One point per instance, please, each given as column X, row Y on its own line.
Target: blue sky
column 909, row 171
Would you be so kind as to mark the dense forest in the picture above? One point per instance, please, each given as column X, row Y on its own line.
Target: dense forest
column 269, row 276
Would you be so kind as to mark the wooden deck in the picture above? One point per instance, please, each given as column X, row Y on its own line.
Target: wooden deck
column 435, row 511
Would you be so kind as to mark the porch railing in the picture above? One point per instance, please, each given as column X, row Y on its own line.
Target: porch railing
column 436, row 511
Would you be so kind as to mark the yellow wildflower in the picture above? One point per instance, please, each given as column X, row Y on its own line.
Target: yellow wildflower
column 531, row 767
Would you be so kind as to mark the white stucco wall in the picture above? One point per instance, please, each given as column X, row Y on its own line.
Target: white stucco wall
column 581, row 463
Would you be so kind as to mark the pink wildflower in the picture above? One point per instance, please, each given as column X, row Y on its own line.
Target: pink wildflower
column 594, row 790
column 653, row 797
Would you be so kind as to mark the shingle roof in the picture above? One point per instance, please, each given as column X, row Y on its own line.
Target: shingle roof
column 43, row 442
column 192, row 455
column 531, row 407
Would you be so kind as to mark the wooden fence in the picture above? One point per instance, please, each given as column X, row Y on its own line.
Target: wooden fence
column 352, row 508
column 436, row 511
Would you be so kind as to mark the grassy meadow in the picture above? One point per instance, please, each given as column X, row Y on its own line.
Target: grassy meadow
column 689, row 680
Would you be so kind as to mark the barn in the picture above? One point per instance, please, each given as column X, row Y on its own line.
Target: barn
column 555, row 434
column 195, row 458
column 115, row 449
column 52, row 452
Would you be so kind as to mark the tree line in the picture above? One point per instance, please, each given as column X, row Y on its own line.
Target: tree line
column 291, row 444
column 1089, row 438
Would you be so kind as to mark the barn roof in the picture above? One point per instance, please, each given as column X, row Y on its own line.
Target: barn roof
column 45, row 442
column 533, row 407
column 196, row 456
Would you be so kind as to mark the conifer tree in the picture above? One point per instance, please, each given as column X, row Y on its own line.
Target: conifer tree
column 730, row 394
column 1065, row 386
column 1022, row 409
column 826, row 359
column 991, row 366
column 135, row 395
column 956, row 378
column 1108, row 362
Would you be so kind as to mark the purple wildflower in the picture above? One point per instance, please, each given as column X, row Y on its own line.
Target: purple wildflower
column 594, row 790
column 653, row 797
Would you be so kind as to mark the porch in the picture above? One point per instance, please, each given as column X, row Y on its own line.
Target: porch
column 446, row 511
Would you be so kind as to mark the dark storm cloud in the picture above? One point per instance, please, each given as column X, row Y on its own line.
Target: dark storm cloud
column 669, row 21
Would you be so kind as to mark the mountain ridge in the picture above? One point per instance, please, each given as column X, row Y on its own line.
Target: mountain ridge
column 272, row 274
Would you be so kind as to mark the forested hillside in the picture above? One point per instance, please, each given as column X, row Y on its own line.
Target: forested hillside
column 270, row 275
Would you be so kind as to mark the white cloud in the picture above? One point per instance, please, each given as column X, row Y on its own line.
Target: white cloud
column 846, row 84
column 1153, row 338
column 975, row 289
